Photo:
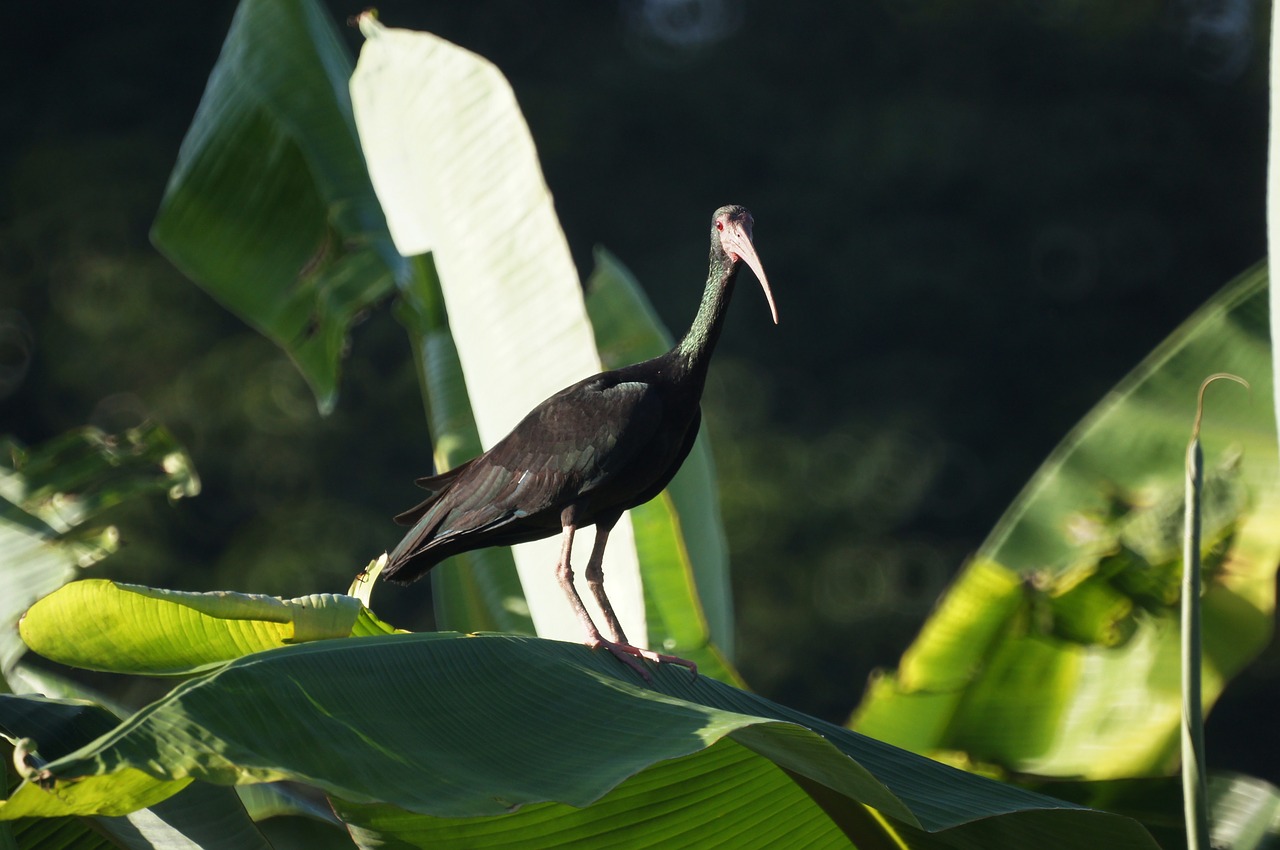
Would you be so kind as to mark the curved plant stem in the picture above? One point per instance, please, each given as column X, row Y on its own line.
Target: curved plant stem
column 1194, row 788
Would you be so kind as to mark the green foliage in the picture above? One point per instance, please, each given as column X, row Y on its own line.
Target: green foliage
column 348, row 715
column 197, row 815
column 433, row 739
column 1056, row 651
column 120, row 628
column 200, row 815
column 527, row 297
column 457, row 175
column 269, row 207
column 50, row 497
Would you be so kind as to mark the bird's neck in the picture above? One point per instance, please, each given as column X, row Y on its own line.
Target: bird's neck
column 693, row 352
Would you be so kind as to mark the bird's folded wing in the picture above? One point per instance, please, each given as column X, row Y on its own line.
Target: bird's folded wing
column 564, row 448
column 591, row 432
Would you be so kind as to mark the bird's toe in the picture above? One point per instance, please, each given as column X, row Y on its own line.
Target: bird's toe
column 628, row 654
column 623, row 653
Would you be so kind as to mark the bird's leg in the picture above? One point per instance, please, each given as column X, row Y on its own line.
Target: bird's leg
column 595, row 581
column 564, row 575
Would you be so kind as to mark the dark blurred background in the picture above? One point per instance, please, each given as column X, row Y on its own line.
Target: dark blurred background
column 976, row 216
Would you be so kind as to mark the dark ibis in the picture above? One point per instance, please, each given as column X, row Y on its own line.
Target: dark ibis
column 606, row 444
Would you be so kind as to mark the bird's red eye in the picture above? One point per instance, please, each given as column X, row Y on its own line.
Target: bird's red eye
column 719, row 225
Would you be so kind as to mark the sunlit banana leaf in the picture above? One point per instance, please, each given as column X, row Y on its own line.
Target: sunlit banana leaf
column 49, row 496
column 198, row 815
column 457, row 174
column 1056, row 650
column 438, row 724
column 269, row 206
column 125, row 628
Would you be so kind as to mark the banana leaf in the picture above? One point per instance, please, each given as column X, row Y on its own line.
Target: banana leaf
column 269, row 206
column 457, row 175
column 437, row 725
column 1055, row 652
column 198, row 815
column 123, row 628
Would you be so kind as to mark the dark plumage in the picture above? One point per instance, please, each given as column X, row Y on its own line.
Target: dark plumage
column 591, row 451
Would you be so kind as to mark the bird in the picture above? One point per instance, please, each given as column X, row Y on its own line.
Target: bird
column 585, row 455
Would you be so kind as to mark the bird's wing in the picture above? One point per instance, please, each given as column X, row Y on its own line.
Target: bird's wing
column 471, row 504
column 590, row 431
column 565, row 447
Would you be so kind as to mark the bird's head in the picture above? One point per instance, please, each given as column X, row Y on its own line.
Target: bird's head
column 731, row 230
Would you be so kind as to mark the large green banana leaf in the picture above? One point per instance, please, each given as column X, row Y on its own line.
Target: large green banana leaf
column 513, row 286
column 456, row 172
column 269, row 206
column 438, row 725
column 122, row 628
column 1056, row 650
column 49, row 496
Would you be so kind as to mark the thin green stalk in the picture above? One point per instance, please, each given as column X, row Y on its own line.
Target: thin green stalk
column 1195, row 795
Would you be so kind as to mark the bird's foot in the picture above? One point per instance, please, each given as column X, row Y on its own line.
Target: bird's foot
column 627, row 654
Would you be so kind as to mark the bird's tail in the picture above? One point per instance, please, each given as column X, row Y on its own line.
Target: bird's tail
column 413, row 556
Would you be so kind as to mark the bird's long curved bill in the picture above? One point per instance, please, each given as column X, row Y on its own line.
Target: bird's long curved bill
column 738, row 240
